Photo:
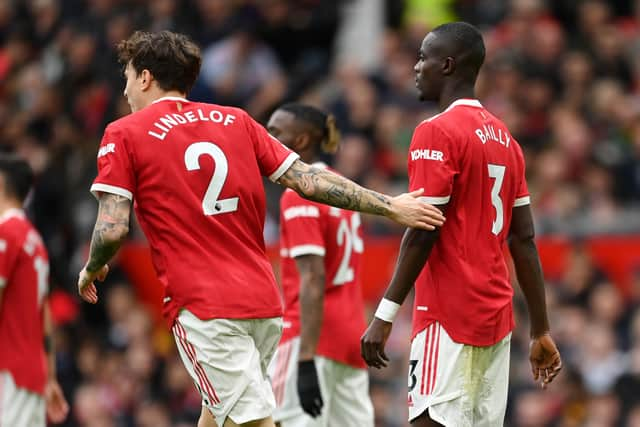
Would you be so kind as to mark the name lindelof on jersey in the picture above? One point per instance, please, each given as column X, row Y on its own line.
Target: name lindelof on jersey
column 427, row 154
column 488, row 133
column 169, row 121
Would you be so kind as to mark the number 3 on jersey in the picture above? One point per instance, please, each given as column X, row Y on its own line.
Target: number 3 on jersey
column 497, row 172
column 348, row 237
column 210, row 203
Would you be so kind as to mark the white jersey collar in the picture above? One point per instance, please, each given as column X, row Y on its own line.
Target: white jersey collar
column 171, row 98
column 10, row 213
column 466, row 102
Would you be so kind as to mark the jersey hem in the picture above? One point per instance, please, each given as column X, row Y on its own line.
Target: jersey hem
column 522, row 201
column 240, row 315
column 112, row 189
column 301, row 250
column 284, row 166
column 435, row 200
column 461, row 338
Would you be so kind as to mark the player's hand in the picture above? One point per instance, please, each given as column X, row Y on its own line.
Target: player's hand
column 86, row 287
column 309, row 388
column 373, row 341
column 545, row 359
column 407, row 210
column 57, row 406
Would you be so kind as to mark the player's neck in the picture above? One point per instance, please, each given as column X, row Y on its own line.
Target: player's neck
column 7, row 205
column 454, row 92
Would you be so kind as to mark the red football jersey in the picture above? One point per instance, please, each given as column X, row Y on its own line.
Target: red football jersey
column 195, row 173
column 309, row 228
column 467, row 158
column 24, row 276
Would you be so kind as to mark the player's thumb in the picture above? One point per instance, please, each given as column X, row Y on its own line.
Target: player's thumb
column 416, row 193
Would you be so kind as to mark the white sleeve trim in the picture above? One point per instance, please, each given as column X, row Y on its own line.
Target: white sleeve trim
column 284, row 166
column 522, row 201
column 297, row 251
column 3, row 282
column 105, row 188
column 435, row 200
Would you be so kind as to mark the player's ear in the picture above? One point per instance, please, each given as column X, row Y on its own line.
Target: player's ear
column 301, row 142
column 145, row 79
column 448, row 66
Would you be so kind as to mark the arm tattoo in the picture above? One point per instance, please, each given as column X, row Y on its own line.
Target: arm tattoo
column 321, row 185
column 111, row 228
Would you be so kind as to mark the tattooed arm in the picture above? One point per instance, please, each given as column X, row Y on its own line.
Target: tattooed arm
column 112, row 226
column 326, row 187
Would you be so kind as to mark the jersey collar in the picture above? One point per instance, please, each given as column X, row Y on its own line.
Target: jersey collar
column 465, row 102
column 10, row 213
column 170, row 98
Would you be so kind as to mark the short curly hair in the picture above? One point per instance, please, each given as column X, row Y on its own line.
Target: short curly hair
column 173, row 59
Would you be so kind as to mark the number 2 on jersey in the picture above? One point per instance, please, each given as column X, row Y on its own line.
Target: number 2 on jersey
column 210, row 203
column 497, row 172
column 348, row 237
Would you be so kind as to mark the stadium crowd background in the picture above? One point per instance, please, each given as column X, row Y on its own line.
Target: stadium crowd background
column 563, row 74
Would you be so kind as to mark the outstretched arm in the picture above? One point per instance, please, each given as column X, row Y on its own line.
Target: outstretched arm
column 112, row 226
column 544, row 356
column 414, row 251
column 321, row 185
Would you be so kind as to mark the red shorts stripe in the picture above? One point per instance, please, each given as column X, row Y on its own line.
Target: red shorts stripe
column 432, row 340
column 211, row 390
column 283, row 372
column 203, row 380
column 277, row 374
column 435, row 359
column 424, row 360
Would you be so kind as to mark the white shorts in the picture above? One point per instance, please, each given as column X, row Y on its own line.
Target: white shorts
column 20, row 407
column 227, row 360
column 461, row 385
column 345, row 391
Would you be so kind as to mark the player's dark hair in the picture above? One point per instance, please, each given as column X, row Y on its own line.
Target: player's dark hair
column 467, row 42
column 18, row 176
column 324, row 124
column 173, row 59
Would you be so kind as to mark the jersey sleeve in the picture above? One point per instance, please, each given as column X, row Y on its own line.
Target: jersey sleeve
column 302, row 222
column 273, row 157
column 9, row 249
column 432, row 164
column 522, row 194
column 115, row 171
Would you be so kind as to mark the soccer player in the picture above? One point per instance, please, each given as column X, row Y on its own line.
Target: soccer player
column 29, row 391
column 318, row 376
column 195, row 171
column 473, row 169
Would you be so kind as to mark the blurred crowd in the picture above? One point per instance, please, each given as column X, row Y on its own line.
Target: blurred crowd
column 564, row 75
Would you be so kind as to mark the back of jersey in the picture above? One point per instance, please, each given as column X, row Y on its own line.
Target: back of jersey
column 24, row 276
column 195, row 172
column 466, row 158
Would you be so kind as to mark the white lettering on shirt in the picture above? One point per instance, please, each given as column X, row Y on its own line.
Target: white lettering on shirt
column 488, row 133
column 301, row 211
column 426, row 154
column 170, row 121
column 109, row 148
